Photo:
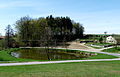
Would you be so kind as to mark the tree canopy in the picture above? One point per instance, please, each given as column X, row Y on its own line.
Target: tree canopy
column 43, row 29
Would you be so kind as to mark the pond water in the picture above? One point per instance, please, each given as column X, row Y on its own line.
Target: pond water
column 51, row 54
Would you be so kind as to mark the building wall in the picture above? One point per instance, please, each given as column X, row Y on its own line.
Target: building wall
column 110, row 39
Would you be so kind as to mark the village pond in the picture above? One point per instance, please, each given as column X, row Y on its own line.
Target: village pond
column 50, row 54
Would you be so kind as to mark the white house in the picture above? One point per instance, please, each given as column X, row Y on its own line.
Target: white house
column 111, row 39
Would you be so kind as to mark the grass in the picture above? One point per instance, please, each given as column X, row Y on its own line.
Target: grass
column 113, row 50
column 96, row 47
column 5, row 56
column 88, row 39
column 102, row 44
column 89, row 44
column 98, row 56
column 102, row 56
column 80, row 69
column 98, row 44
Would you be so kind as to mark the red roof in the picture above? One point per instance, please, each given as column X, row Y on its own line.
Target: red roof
column 2, row 37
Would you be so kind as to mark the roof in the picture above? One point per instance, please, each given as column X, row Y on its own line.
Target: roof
column 2, row 37
column 109, row 37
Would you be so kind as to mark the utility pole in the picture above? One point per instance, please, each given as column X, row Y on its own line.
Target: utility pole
column 105, row 35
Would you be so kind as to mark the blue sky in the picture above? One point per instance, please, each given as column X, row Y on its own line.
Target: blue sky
column 97, row 16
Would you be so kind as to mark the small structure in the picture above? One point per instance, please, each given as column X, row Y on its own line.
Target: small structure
column 111, row 39
column 2, row 37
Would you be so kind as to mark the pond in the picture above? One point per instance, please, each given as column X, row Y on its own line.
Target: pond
column 49, row 54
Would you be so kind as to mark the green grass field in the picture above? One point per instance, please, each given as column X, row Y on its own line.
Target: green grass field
column 113, row 50
column 102, row 56
column 102, row 44
column 81, row 69
column 98, row 44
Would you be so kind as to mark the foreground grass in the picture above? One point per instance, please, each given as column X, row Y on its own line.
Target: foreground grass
column 82, row 69
column 113, row 50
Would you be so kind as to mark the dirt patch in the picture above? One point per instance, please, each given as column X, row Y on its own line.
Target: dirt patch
column 77, row 45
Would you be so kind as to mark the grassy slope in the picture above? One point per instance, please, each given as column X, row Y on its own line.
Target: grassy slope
column 98, row 44
column 5, row 56
column 113, row 50
column 102, row 56
column 102, row 44
column 83, row 69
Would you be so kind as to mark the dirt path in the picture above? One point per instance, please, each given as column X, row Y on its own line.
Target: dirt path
column 77, row 45
column 82, row 47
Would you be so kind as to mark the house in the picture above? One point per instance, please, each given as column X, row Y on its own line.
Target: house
column 114, row 40
column 2, row 37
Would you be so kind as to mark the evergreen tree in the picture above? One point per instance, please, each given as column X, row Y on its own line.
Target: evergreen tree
column 9, row 37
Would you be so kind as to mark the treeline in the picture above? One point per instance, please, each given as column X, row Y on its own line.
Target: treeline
column 39, row 31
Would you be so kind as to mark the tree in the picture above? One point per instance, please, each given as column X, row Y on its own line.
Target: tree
column 25, row 29
column 78, row 30
column 105, row 36
column 8, row 37
column 100, row 39
column 2, row 44
column 32, row 31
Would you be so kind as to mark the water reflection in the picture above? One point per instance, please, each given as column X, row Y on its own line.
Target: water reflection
column 52, row 54
column 15, row 54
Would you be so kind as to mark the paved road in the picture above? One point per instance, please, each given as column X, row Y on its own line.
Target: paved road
column 51, row 62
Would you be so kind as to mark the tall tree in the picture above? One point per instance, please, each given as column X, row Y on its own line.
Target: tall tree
column 24, row 30
column 78, row 30
column 8, row 37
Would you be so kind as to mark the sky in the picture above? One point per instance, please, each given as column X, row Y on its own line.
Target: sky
column 97, row 16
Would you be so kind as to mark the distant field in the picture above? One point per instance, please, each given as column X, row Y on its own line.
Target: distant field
column 82, row 69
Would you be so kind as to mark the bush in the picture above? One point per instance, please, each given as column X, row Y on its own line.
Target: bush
column 2, row 44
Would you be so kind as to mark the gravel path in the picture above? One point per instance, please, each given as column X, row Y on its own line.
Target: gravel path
column 51, row 62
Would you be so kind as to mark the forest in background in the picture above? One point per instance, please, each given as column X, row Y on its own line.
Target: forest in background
column 42, row 31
